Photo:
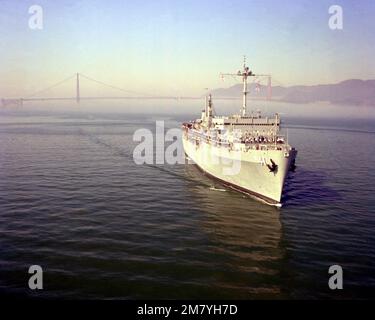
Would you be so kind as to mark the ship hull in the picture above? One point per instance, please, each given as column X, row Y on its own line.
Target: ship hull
column 247, row 171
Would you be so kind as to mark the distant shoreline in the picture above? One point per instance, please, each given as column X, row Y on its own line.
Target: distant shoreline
column 349, row 92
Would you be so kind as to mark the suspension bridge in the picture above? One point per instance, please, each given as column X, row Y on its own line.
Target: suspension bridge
column 77, row 97
column 36, row 96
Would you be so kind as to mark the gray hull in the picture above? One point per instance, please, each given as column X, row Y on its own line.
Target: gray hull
column 244, row 169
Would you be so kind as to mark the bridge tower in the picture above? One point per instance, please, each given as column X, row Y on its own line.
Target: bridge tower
column 77, row 89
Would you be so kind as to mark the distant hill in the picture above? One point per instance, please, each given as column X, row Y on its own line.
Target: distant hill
column 349, row 92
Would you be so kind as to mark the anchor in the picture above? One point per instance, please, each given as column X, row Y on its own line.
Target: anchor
column 273, row 166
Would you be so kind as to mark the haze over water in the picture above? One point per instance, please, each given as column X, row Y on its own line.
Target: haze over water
column 73, row 201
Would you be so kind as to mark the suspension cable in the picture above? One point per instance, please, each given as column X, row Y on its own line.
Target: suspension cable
column 51, row 87
column 111, row 86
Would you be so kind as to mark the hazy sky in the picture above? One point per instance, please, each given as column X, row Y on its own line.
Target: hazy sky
column 180, row 47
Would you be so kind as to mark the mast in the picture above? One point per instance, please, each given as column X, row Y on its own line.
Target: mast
column 244, row 80
column 209, row 110
column 207, row 102
column 245, row 73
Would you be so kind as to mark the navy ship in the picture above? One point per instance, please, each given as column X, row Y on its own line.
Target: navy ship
column 245, row 152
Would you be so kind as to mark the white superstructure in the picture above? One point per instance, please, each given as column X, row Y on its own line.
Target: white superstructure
column 244, row 152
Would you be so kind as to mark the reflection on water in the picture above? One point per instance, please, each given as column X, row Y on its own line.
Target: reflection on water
column 246, row 232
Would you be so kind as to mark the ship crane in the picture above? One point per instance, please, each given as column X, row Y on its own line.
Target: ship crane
column 245, row 73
